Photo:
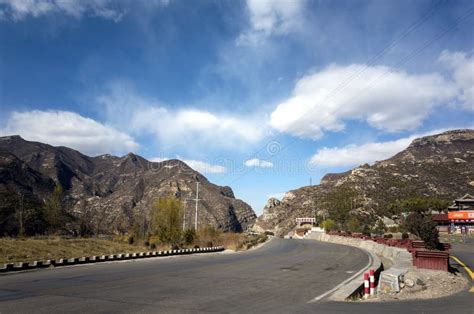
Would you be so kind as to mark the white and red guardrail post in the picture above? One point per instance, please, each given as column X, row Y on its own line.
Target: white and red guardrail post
column 369, row 284
column 372, row 282
column 366, row 285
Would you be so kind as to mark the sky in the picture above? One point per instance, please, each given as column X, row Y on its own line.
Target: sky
column 263, row 96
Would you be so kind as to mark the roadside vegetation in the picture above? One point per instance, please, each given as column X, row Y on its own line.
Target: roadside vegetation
column 163, row 230
column 42, row 248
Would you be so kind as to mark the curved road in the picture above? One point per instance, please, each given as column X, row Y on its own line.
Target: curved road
column 280, row 277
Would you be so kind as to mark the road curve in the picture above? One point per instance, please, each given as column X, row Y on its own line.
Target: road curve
column 280, row 277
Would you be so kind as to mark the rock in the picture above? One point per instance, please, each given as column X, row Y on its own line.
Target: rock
column 410, row 283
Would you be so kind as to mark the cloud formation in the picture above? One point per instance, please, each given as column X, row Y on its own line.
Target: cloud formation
column 198, row 165
column 63, row 128
column 353, row 155
column 255, row 162
column 20, row 9
column 188, row 127
column 462, row 66
column 269, row 17
column 387, row 99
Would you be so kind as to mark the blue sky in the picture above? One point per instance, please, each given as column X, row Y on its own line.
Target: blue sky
column 259, row 95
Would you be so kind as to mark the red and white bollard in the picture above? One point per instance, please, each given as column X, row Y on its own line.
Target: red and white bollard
column 366, row 285
column 372, row 282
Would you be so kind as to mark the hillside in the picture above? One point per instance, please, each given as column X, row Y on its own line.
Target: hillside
column 112, row 192
column 440, row 166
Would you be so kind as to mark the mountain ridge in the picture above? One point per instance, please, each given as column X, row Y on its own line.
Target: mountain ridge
column 118, row 191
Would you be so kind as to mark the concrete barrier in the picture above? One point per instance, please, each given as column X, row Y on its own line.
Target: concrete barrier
column 35, row 264
column 97, row 259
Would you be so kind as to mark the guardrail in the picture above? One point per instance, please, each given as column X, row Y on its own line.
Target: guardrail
column 12, row 267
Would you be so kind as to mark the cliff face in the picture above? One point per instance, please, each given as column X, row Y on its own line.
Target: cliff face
column 440, row 166
column 114, row 191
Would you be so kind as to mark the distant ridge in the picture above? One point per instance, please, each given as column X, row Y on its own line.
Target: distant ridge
column 113, row 191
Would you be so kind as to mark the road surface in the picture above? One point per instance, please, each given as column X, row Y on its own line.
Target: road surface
column 280, row 277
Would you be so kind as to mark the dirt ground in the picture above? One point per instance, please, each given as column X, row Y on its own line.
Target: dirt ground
column 428, row 284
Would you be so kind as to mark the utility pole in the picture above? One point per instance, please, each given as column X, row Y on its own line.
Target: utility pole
column 21, row 214
column 184, row 214
column 197, row 202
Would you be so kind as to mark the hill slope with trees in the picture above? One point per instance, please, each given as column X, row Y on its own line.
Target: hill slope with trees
column 430, row 173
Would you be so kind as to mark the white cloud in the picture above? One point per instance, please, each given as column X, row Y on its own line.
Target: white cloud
column 255, row 162
column 63, row 128
column 352, row 155
column 198, row 165
column 187, row 127
column 462, row 66
column 385, row 98
column 269, row 17
column 20, row 9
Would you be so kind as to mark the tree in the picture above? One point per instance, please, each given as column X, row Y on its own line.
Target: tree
column 53, row 210
column 423, row 204
column 166, row 220
column 423, row 227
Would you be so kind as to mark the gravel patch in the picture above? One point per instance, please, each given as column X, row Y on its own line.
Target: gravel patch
column 426, row 284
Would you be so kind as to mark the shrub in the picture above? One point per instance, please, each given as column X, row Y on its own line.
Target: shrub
column 379, row 228
column 131, row 240
column 189, row 236
column 152, row 246
column 405, row 236
column 353, row 225
column 328, row 225
column 366, row 230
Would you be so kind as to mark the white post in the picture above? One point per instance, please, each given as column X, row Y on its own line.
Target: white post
column 184, row 215
column 196, row 213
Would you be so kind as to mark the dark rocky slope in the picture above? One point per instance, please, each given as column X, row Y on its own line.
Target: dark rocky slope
column 113, row 191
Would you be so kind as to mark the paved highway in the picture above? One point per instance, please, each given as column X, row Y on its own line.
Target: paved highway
column 280, row 277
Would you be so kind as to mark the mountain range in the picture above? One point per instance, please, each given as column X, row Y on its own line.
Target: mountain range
column 113, row 192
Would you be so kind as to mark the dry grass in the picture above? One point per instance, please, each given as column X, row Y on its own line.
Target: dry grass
column 44, row 248
column 31, row 249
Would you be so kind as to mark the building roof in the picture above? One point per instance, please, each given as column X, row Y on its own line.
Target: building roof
column 465, row 199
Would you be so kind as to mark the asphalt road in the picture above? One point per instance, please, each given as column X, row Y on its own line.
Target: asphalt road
column 280, row 277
